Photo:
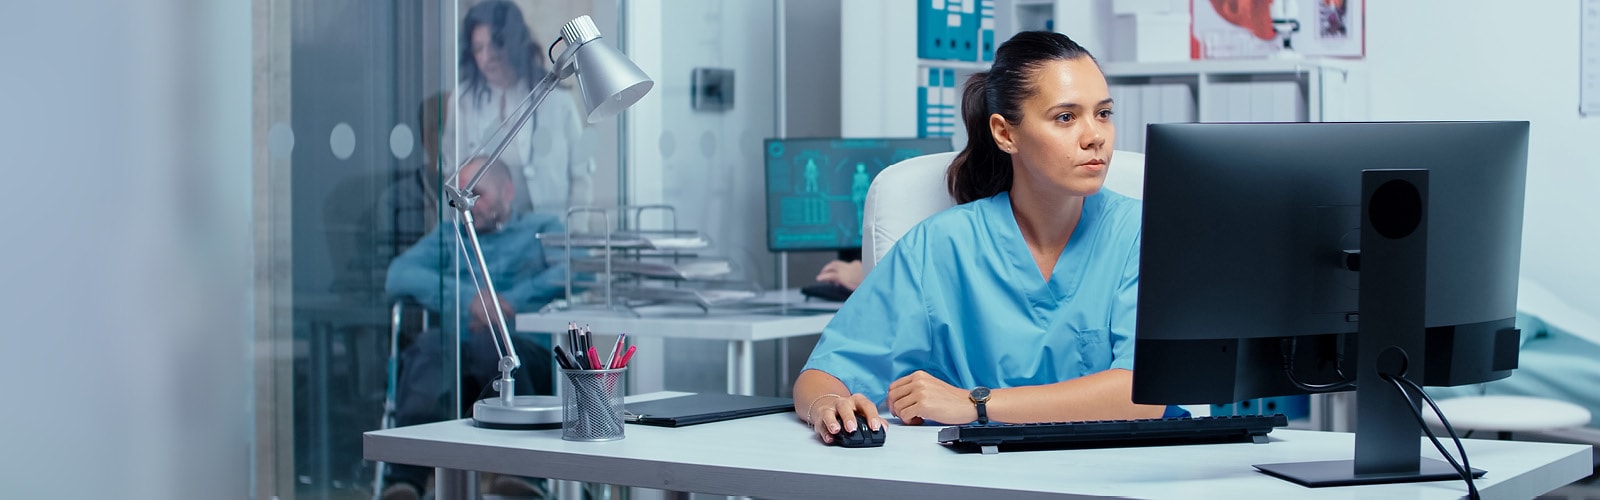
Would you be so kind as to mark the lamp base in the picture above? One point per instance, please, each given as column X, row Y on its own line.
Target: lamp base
column 525, row 413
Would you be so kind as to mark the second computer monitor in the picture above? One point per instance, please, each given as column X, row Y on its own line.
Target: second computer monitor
column 817, row 187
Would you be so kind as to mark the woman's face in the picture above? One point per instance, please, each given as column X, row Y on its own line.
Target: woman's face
column 1063, row 141
column 491, row 60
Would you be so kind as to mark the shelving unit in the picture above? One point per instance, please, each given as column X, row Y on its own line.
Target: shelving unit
column 1026, row 15
column 882, row 71
column 1265, row 90
column 633, row 267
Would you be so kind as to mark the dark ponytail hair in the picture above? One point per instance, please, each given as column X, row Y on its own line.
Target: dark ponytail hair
column 982, row 169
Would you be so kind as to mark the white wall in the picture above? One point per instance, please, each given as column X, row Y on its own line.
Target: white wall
column 1495, row 60
column 706, row 164
column 713, row 159
column 878, row 68
column 126, row 317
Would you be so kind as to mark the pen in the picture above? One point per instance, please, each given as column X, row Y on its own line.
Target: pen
column 616, row 350
column 562, row 359
column 623, row 363
column 572, row 335
column 581, row 362
column 583, row 346
column 594, row 359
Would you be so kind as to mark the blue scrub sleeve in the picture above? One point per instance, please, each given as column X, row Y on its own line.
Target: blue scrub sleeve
column 884, row 320
column 1124, row 308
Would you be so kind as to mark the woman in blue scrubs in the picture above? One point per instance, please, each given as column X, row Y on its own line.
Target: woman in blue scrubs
column 1018, row 304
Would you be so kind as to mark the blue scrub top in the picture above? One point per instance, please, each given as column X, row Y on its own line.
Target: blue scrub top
column 959, row 296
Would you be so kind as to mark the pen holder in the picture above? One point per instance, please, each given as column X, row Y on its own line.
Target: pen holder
column 591, row 404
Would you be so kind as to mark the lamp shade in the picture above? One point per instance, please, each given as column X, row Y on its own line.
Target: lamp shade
column 609, row 81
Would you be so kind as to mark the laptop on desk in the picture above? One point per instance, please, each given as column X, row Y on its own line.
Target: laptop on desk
column 701, row 408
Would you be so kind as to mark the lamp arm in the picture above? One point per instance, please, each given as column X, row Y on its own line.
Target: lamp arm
column 501, row 335
column 462, row 199
column 611, row 84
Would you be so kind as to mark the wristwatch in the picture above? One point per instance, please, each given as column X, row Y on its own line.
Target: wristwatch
column 980, row 398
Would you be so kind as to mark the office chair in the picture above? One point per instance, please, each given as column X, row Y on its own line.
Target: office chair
column 907, row 192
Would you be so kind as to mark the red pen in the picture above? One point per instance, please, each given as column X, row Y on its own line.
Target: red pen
column 594, row 359
column 623, row 363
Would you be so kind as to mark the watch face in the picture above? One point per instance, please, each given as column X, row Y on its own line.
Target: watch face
column 980, row 394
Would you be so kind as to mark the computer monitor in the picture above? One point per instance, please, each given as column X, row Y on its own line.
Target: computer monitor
column 816, row 187
column 1293, row 258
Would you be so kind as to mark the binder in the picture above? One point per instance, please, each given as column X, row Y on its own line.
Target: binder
column 927, row 94
column 930, row 29
column 700, row 408
column 966, row 32
column 938, row 102
column 986, row 30
column 949, row 29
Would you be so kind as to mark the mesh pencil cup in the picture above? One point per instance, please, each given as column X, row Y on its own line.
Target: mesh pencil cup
column 591, row 404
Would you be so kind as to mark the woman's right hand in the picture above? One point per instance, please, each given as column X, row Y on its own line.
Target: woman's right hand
column 825, row 421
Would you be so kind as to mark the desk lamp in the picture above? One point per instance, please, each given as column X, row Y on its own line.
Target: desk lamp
column 610, row 82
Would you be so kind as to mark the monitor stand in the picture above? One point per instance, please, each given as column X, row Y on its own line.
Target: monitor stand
column 1390, row 340
column 1342, row 473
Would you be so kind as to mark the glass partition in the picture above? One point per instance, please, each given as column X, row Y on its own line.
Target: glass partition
column 362, row 317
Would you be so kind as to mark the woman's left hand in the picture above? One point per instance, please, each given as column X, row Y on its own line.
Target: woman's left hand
column 920, row 396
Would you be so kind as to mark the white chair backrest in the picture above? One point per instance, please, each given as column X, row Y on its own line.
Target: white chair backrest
column 907, row 192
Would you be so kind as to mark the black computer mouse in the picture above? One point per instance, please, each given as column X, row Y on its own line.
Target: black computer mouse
column 863, row 437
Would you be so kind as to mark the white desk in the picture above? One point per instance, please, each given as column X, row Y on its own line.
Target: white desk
column 741, row 329
column 792, row 297
column 775, row 456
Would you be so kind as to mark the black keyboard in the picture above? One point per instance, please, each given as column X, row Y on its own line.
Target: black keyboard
column 1113, row 433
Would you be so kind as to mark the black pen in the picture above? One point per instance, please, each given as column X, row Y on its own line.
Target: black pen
column 572, row 336
column 562, row 359
column 584, row 337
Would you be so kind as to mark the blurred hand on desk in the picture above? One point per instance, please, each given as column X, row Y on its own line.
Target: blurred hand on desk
column 846, row 274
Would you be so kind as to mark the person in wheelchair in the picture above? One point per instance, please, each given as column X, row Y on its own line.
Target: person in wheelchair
column 428, row 274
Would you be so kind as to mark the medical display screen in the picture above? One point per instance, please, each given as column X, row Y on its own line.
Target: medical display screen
column 817, row 187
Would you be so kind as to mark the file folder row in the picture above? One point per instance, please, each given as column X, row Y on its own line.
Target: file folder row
column 938, row 103
column 956, row 30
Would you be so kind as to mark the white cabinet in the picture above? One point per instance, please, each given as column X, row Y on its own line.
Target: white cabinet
column 1269, row 90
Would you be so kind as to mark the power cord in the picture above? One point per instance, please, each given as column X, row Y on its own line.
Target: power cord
column 1290, row 345
column 1440, row 413
column 1464, row 467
